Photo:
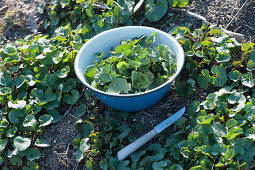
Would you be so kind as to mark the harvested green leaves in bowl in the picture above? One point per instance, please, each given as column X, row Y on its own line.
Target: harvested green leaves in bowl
column 134, row 66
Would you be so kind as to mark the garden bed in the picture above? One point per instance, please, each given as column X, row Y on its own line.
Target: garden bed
column 61, row 154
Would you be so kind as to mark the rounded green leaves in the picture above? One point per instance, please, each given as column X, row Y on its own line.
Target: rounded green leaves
column 21, row 143
column 155, row 10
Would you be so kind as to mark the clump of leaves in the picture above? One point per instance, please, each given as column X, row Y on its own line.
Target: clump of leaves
column 215, row 133
column 134, row 66
column 98, row 15
column 35, row 80
column 156, row 9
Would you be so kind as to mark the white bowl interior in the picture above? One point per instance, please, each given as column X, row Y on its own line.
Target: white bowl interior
column 105, row 40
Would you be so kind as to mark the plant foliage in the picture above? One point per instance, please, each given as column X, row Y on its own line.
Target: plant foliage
column 134, row 66
column 37, row 78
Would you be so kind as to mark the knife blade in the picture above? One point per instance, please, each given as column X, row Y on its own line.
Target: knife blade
column 125, row 152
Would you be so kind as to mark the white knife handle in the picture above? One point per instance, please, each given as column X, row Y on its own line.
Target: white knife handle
column 123, row 153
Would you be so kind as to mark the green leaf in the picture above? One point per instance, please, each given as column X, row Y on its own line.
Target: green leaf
column 84, row 145
column 206, row 149
column 122, row 66
column 55, row 114
column 220, row 77
column 128, row 7
column 42, row 143
column 137, row 155
column 247, row 80
column 69, row 85
column 239, row 150
column 176, row 167
column 194, row 107
column 193, row 139
column 21, row 143
column 206, row 163
column 219, row 130
column 234, row 75
column 105, row 74
column 34, row 51
column 236, row 98
column 231, row 123
column 11, row 132
column 230, row 153
column 64, row 3
column 159, row 152
column 88, row 129
column 223, row 48
column 219, row 148
column 72, row 99
column 251, row 65
column 5, row 91
column 210, row 102
column 206, row 119
column 30, row 165
column 79, row 155
column 29, row 121
column 199, row 167
column 219, row 39
column 247, row 47
column 151, row 39
column 185, row 152
column 45, row 120
column 155, row 10
column 124, row 130
column 2, row 160
column 119, row 85
column 159, row 165
column 251, row 62
column 223, row 57
column 249, row 147
column 90, row 11
column 103, row 164
column 178, row 3
column 3, row 143
column 19, row 81
column 123, row 165
column 90, row 73
column 33, row 154
column 80, row 110
column 233, row 132
column 14, row 116
column 16, row 161
column 20, row 104
column 63, row 73
column 202, row 81
column 140, row 80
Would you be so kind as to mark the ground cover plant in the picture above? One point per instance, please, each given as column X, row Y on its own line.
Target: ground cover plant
column 37, row 78
column 134, row 66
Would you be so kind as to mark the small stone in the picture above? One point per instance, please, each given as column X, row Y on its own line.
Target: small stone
column 170, row 14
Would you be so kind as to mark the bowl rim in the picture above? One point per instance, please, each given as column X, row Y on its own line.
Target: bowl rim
column 179, row 47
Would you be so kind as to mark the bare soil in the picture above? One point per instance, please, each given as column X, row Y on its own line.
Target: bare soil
column 13, row 19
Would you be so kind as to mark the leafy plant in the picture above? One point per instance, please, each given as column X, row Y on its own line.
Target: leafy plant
column 36, row 78
column 98, row 16
column 178, row 3
column 217, row 132
column 135, row 66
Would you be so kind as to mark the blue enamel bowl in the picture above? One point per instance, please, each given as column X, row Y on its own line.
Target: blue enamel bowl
column 103, row 42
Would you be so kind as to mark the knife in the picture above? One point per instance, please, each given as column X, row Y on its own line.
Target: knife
column 125, row 152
